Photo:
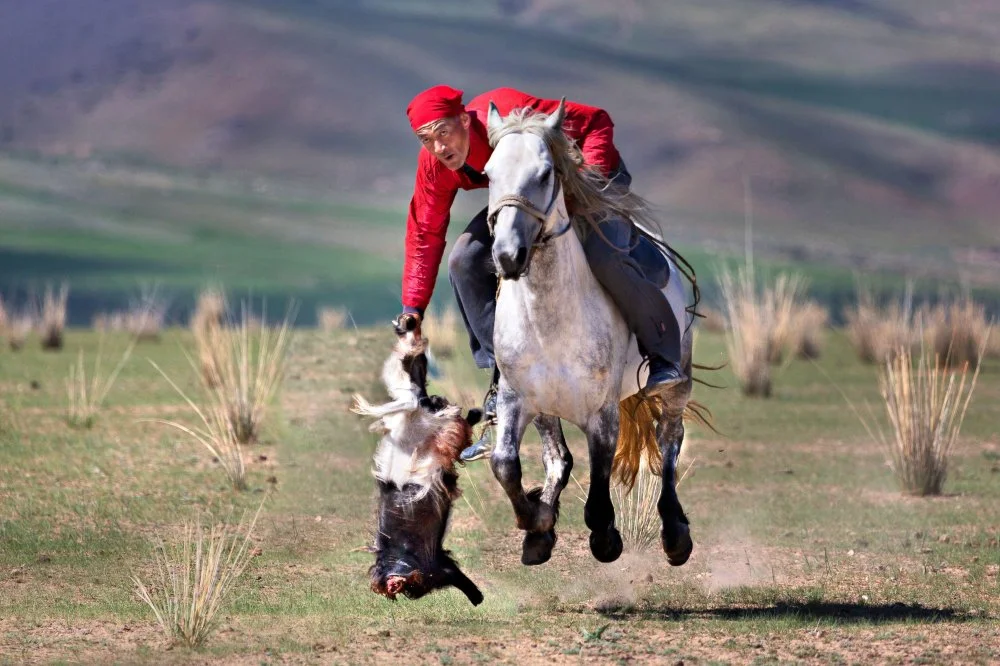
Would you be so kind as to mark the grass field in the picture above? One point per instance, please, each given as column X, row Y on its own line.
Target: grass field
column 804, row 549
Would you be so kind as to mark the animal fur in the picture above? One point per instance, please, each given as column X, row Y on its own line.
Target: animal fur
column 422, row 435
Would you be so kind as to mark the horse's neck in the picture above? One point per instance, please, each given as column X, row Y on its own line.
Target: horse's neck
column 558, row 275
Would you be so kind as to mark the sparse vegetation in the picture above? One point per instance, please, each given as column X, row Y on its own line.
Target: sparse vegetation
column 209, row 339
column 926, row 404
column 713, row 320
column 18, row 328
column 958, row 332
column 635, row 509
column 52, row 323
column 758, row 323
column 331, row 318
column 196, row 576
column 808, row 327
column 442, row 330
column 87, row 398
column 878, row 332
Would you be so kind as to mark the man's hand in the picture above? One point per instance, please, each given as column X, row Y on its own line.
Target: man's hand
column 405, row 323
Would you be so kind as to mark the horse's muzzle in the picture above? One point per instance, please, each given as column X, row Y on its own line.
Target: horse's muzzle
column 511, row 266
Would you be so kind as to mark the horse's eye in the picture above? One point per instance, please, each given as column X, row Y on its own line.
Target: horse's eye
column 546, row 172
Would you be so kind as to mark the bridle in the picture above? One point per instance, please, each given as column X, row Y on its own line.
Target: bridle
column 545, row 217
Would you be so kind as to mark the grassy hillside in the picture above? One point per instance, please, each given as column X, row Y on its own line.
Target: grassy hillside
column 866, row 131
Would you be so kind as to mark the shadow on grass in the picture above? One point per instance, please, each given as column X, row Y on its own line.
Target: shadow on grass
column 846, row 613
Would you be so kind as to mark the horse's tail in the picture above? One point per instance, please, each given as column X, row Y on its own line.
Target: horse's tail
column 638, row 417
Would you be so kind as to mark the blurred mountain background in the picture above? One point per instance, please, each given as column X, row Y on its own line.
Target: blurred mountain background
column 263, row 144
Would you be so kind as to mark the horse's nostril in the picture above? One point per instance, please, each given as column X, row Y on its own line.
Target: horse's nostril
column 522, row 254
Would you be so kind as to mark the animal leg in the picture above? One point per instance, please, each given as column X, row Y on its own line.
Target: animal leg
column 505, row 460
column 599, row 513
column 675, row 536
column 541, row 538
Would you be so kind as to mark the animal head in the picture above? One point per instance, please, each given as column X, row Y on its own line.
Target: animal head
column 422, row 437
column 526, row 196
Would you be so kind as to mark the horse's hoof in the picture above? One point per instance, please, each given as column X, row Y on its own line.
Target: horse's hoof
column 679, row 546
column 537, row 547
column 606, row 547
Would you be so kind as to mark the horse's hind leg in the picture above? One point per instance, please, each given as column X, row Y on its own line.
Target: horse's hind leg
column 541, row 537
column 676, row 533
column 505, row 460
column 599, row 512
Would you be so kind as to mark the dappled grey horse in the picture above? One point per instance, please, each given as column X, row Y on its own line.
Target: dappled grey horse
column 564, row 350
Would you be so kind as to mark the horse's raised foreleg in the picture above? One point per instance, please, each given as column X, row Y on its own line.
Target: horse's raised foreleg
column 541, row 537
column 675, row 536
column 512, row 421
column 599, row 513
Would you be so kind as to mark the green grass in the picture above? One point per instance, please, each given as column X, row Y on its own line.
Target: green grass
column 801, row 538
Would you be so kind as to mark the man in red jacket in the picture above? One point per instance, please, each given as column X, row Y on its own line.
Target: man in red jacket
column 455, row 150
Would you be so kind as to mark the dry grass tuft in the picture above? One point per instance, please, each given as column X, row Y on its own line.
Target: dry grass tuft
column 18, row 329
column 926, row 404
column 636, row 513
column 251, row 371
column 808, row 324
column 759, row 325
column 442, row 330
column 331, row 318
column 4, row 318
column 195, row 576
column 713, row 321
column 144, row 319
column 215, row 433
column 209, row 339
column 958, row 332
column 87, row 398
column 53, row 319
column 878, row 333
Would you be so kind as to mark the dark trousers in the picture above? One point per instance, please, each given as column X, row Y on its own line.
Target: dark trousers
column 633, row 279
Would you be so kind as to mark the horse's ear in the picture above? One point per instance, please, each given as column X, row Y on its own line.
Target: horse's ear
column 493, row 119
column 555, row 121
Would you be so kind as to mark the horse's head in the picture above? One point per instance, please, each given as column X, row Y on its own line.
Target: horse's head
column 417, row 486
column 526, row 198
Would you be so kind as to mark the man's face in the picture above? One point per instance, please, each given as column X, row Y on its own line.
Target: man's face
column 447, row 140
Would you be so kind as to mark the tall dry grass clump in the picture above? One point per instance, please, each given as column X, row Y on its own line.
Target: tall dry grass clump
column 809, row 322
column 879, row 332
column 636, row 513
column 251, row 372
column 441, row 328
column 18, row 328
column 4, row 317
column 781, row 305
column 195, row 576
column 52, row 323
column 215, row 433
column 86, row 398
column 209, row 339
column 758, row 324
column 712, row 320
column 331, row 318
column 926, row 403
column 958, row 332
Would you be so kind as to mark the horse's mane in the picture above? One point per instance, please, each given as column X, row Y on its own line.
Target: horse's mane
column 592, row 196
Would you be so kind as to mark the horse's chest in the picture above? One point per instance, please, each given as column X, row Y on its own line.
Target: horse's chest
column 560, row 366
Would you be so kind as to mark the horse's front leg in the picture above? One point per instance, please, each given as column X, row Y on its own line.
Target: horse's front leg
column 599, row 513
column 541, row 537
column 512, row 420
column 675, row 536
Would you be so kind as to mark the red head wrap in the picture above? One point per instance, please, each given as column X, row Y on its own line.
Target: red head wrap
column 434, row 104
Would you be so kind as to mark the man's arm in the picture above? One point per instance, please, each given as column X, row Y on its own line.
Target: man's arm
column 426, row 228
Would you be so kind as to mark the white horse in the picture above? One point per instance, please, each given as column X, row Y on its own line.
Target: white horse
column 564, row 350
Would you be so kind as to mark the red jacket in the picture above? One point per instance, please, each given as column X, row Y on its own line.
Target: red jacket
column 437, row 185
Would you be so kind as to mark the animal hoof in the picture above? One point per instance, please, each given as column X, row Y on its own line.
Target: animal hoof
column 537, row 547
column 606, row 547
column 677, row 546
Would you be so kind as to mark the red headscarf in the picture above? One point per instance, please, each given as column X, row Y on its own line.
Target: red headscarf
column 434, row 104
